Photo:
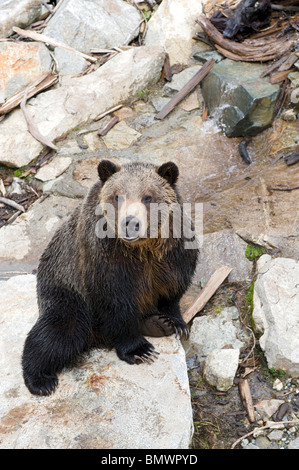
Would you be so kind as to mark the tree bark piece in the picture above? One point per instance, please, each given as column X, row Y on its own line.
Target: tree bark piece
column 192, row 83
column 109, row 126
column 250, row 50
column 206, row 293
column 246, row 397
column 47, row 40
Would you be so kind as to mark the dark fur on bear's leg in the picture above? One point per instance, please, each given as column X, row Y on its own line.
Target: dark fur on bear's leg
column 52, row 345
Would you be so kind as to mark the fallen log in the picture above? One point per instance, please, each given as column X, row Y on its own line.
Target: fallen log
column 190, row 85
column 207, row 292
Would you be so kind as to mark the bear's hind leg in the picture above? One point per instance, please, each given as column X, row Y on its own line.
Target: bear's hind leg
column 56, row 341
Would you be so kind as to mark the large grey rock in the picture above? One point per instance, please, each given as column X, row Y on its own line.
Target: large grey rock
column 224, row 247
column 241, row 102
column 25, row 239
column 87, row 24
column 21, row 63
column 103, row 404
column 77, row 101
column 276, row 312
column 173, row 26
column 20, row 13
column 214, row 332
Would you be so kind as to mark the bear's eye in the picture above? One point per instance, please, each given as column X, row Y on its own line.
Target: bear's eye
column 147, row 199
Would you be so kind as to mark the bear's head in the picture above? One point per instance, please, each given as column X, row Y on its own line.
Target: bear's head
column 130, row 197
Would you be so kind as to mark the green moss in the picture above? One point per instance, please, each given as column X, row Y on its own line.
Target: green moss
column 249, row 303
column 19, row 172
column 254, row 251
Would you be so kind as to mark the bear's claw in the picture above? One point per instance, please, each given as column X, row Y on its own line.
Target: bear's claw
column 42, row 385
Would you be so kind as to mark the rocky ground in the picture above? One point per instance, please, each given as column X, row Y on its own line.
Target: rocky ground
column 248, row 332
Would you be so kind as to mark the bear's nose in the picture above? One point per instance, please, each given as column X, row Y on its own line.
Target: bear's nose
column 130, row 225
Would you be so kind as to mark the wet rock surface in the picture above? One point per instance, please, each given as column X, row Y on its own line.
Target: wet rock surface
column 243, row 206
column 241, row 101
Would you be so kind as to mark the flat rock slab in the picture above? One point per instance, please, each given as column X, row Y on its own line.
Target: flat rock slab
column 85, row 24
column 103, row 404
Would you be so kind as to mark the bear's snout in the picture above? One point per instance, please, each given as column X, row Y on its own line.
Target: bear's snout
column 131, row 227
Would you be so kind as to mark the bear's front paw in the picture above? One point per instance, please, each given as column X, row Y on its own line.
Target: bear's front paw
column 41, row 385
column 144, row 352
column 178, row 326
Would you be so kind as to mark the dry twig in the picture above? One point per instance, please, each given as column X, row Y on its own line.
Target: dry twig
column 267, row 426
column 47, row 40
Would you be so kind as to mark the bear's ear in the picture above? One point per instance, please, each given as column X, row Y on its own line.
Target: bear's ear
column 107, row 169
column 169, row 171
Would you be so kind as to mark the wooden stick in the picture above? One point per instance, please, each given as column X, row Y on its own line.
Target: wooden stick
column 11, row 203
column 278, row 77
column 32, row 128
column 47, row 40
column 109, row 111
column 45, row 80
column 206, row 293
column 167, row 69
column 109, row 126
column 192, row 83
column 246, row 397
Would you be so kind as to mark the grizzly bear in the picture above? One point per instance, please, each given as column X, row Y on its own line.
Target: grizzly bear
column 100, row 289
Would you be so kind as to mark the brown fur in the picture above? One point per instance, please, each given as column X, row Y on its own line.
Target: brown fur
column 108, row 291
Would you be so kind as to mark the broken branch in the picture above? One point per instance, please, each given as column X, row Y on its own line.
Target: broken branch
column 192, row 83
column 32, row 127
column 246, row 397
column 11, row 203
column 206, row 293
column 47, row 40
column 109, row 111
